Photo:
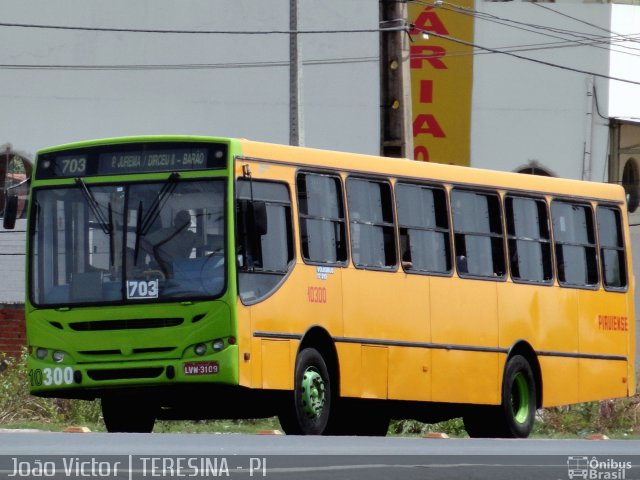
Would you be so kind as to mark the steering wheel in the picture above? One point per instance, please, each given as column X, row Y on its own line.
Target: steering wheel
column 155, row 273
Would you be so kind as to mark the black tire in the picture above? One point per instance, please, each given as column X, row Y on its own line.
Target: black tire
column 127, row 415
column 358, row 417
column 309, row 408
column 481, row 422
column 518, row 398
column 515, row 416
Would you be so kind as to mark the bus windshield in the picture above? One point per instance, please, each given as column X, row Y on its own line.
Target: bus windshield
column 128, row 243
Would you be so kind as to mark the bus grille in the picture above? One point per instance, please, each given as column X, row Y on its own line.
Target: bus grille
column 135, row 324
column 136, row 351
column 125, row 373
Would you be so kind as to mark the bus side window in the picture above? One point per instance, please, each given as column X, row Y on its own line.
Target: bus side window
column 263, row 261
column 424, row 228
column 322, row 220
column 477, row 226
column 575, row 243
column 612, row 257
column 529, row 239
column 373, row 243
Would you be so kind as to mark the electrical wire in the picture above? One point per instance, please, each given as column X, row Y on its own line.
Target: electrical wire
column 486, row 15
column 194, row 66
column 198, row 32
column 529, row 59
column 595, row 97
column 521, row 48
column 187, row 66
column 598, row 27
column 582, row 38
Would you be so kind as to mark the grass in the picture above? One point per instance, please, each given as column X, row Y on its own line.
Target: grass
column 202, row 426
column 619, row 418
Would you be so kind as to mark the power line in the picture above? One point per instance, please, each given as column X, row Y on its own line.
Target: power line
column 582, row 38
column 198, row 32
column 541, row 62
column 486, row 15
column 187, row 66
column 525, row 48
column 579, row 20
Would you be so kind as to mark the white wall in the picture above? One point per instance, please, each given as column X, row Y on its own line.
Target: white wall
column 42, row 107
column 524, row 112
column 624, row 98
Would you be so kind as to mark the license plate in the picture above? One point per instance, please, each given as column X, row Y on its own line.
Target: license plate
column 201, row 368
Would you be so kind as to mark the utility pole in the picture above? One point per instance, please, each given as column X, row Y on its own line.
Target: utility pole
column 396, row 135
column 296, row 128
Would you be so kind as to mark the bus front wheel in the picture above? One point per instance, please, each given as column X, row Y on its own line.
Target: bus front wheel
column 307, row 413
column 121, row 414
column 514, row 417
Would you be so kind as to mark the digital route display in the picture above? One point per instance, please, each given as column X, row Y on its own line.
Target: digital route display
column 150, row 161
column 132, row 158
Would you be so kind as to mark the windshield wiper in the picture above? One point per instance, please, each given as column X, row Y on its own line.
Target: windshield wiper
column 143, row 224
column 106, row 224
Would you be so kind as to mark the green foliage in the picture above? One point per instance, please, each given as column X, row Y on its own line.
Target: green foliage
column 219, row 426
column 453, row 427
column 612, row 417
column 17, row 405
column 608, row 416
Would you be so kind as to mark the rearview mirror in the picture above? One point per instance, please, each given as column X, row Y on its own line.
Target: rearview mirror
column 259, row 218
column 10, row 212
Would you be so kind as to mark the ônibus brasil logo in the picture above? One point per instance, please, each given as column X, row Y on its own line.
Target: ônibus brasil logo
column 597, row 469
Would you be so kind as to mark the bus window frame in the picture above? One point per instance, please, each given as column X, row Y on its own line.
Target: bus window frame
column 394, row 224
column 290, row 265
column 343, row 197
column 482, row 191
column 617, row 209
column 579, row 202
column 552, row 280
column 445, row 191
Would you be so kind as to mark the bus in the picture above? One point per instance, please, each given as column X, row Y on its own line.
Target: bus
column 186, row 277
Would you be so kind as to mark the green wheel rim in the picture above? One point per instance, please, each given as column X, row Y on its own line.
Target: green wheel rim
column 312, row 391
column 520, row 398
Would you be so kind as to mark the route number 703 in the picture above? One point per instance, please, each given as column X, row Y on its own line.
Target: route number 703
column 142, row 289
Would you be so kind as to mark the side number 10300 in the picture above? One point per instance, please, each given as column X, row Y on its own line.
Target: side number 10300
column 51, row 376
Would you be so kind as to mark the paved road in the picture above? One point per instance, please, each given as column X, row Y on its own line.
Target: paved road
column 133, row 456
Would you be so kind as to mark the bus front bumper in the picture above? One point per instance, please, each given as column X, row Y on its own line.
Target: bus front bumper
column 91, row 380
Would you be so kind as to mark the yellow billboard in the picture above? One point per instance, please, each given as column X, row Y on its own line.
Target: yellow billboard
column 441, row 80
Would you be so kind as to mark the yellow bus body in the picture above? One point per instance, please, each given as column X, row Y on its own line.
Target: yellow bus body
column 401, row 336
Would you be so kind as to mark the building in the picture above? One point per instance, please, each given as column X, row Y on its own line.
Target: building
column 516, row 86
column 532, row 87
column 110, row 76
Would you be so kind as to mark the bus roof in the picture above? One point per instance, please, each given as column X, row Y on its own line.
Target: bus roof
column 395, row 167
column 404, row 168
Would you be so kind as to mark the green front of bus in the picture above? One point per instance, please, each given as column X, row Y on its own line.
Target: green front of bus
column 130, row 270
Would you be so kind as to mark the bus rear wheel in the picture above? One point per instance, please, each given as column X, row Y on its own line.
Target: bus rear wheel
column 124, row 414
column 514, row 417
column 307, row 413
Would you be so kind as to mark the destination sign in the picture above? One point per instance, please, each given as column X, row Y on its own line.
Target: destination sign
column 150, row 161
column 132, row 158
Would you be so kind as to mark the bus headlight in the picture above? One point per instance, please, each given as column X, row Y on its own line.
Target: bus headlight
column 217, row 345
column 58, row 356
column 41, row 353
column 200, row 349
